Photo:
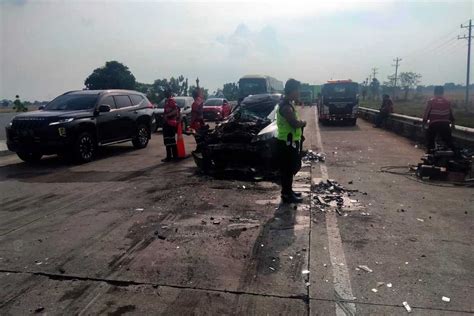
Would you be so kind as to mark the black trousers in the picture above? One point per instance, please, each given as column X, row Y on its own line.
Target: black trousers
column 169, row 138
column 289, row 161
column 441, row 129
column 380, row 118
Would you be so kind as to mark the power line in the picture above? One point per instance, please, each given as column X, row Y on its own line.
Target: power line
column 468, row 37
column 430, row 44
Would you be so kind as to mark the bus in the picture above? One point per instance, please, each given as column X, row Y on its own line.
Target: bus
column 258, row 84
column 339, row 101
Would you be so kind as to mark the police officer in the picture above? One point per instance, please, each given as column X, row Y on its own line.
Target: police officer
column 288, row 144
column 171, row 121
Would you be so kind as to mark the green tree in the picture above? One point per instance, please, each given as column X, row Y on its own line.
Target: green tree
column 113, row 75
column 375, row 88
column 18, row 105
column 231, row 91
column 409, row 80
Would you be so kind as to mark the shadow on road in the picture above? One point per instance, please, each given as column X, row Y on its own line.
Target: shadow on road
column 53, row 169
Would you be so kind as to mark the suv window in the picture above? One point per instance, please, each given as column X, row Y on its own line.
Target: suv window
column 181, row 102
column 122, row 101
column 72, row 102
column 136, row 99
column 108, row 101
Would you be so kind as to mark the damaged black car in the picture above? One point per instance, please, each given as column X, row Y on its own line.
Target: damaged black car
column 244, row 142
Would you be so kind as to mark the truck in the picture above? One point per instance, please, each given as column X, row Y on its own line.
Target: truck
column 339, row 101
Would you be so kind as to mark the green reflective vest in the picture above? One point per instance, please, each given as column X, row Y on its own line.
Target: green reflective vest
column 284, row 128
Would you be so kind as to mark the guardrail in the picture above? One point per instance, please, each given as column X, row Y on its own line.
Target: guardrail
column 410, row 127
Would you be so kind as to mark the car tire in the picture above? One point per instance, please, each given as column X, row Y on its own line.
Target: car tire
column 353, row 122
column 29, row 156
column 84, row 147
column 142, row 137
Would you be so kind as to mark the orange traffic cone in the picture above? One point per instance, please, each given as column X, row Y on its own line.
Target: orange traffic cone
column 180, row 143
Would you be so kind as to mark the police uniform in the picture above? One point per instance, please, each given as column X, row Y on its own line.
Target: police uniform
column 288, row 146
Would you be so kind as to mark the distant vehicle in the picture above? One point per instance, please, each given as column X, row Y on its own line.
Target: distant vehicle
column 216, row 109
column 339, row 101
column 185, row 105
column 306, row 97
column 77, row 122
column 258, row 84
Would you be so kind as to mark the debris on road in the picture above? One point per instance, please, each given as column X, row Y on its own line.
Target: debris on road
column 331, row 196
column 366, row 268
column 271, row 268
column 407, row 307
column 139, row 209
column 420, row 219
column 305, row 272
column 374, row 290
column 39, row 309
column 379, row 284
column 389, row 284
column 312, row 156
column 446, row 299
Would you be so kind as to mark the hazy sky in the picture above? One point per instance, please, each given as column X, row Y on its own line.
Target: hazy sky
column 48, row 47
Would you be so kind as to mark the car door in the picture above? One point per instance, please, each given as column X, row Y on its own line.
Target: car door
column 105, row 121
column 124, row 117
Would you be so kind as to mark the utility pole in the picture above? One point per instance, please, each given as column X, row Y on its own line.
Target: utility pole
column 397, row 63
column 374, row 71
column 469, row 37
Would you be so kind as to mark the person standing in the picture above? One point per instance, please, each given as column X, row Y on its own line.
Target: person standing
column 197, row 119
column 384, row 112
column 439, row 116
column 171, row 121
column 289, row 136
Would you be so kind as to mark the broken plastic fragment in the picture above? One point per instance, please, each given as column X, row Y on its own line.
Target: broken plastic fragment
column 420, row 219
column 305, row 272
column 271, row 268
column 366, row 268
column 446, row 299
column 307, row 284
column 407, row 307
column 139, row 209
column 389, row 284
column 374, row 290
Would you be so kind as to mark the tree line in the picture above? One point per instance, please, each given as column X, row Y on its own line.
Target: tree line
column 115, row 75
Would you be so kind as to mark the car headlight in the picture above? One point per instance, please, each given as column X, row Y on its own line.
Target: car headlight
column 61, row 121
column 10, row 124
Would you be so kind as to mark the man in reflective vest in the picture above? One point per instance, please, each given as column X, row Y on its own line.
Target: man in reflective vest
column 439, row 115
column 171, row 120
column 288, row 141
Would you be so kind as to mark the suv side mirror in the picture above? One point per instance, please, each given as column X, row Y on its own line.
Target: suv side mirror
column 104, row 108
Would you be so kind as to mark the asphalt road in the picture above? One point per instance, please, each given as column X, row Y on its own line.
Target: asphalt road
column 5, row 118
column 129, row 234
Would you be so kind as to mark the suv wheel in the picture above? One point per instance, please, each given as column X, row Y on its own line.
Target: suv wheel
column 29, row 156
column 84, row 148
column 142, row 138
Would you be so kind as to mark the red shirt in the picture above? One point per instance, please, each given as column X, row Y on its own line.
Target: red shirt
column 197, row 120
column 438, row 109
column 170, row 106
column 387, row 106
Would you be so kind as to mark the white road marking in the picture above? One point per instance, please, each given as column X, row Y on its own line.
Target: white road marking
column 341, row 278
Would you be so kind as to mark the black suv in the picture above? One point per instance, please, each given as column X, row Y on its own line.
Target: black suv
column 77, row 122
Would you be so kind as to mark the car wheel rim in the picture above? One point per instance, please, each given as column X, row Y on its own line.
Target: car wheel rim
column 86, row 147
column 143, row 135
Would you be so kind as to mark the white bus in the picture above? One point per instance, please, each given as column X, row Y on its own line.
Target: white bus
column 258, row 84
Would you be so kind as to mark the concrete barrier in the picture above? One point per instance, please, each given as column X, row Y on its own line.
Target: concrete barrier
column 410, row 127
